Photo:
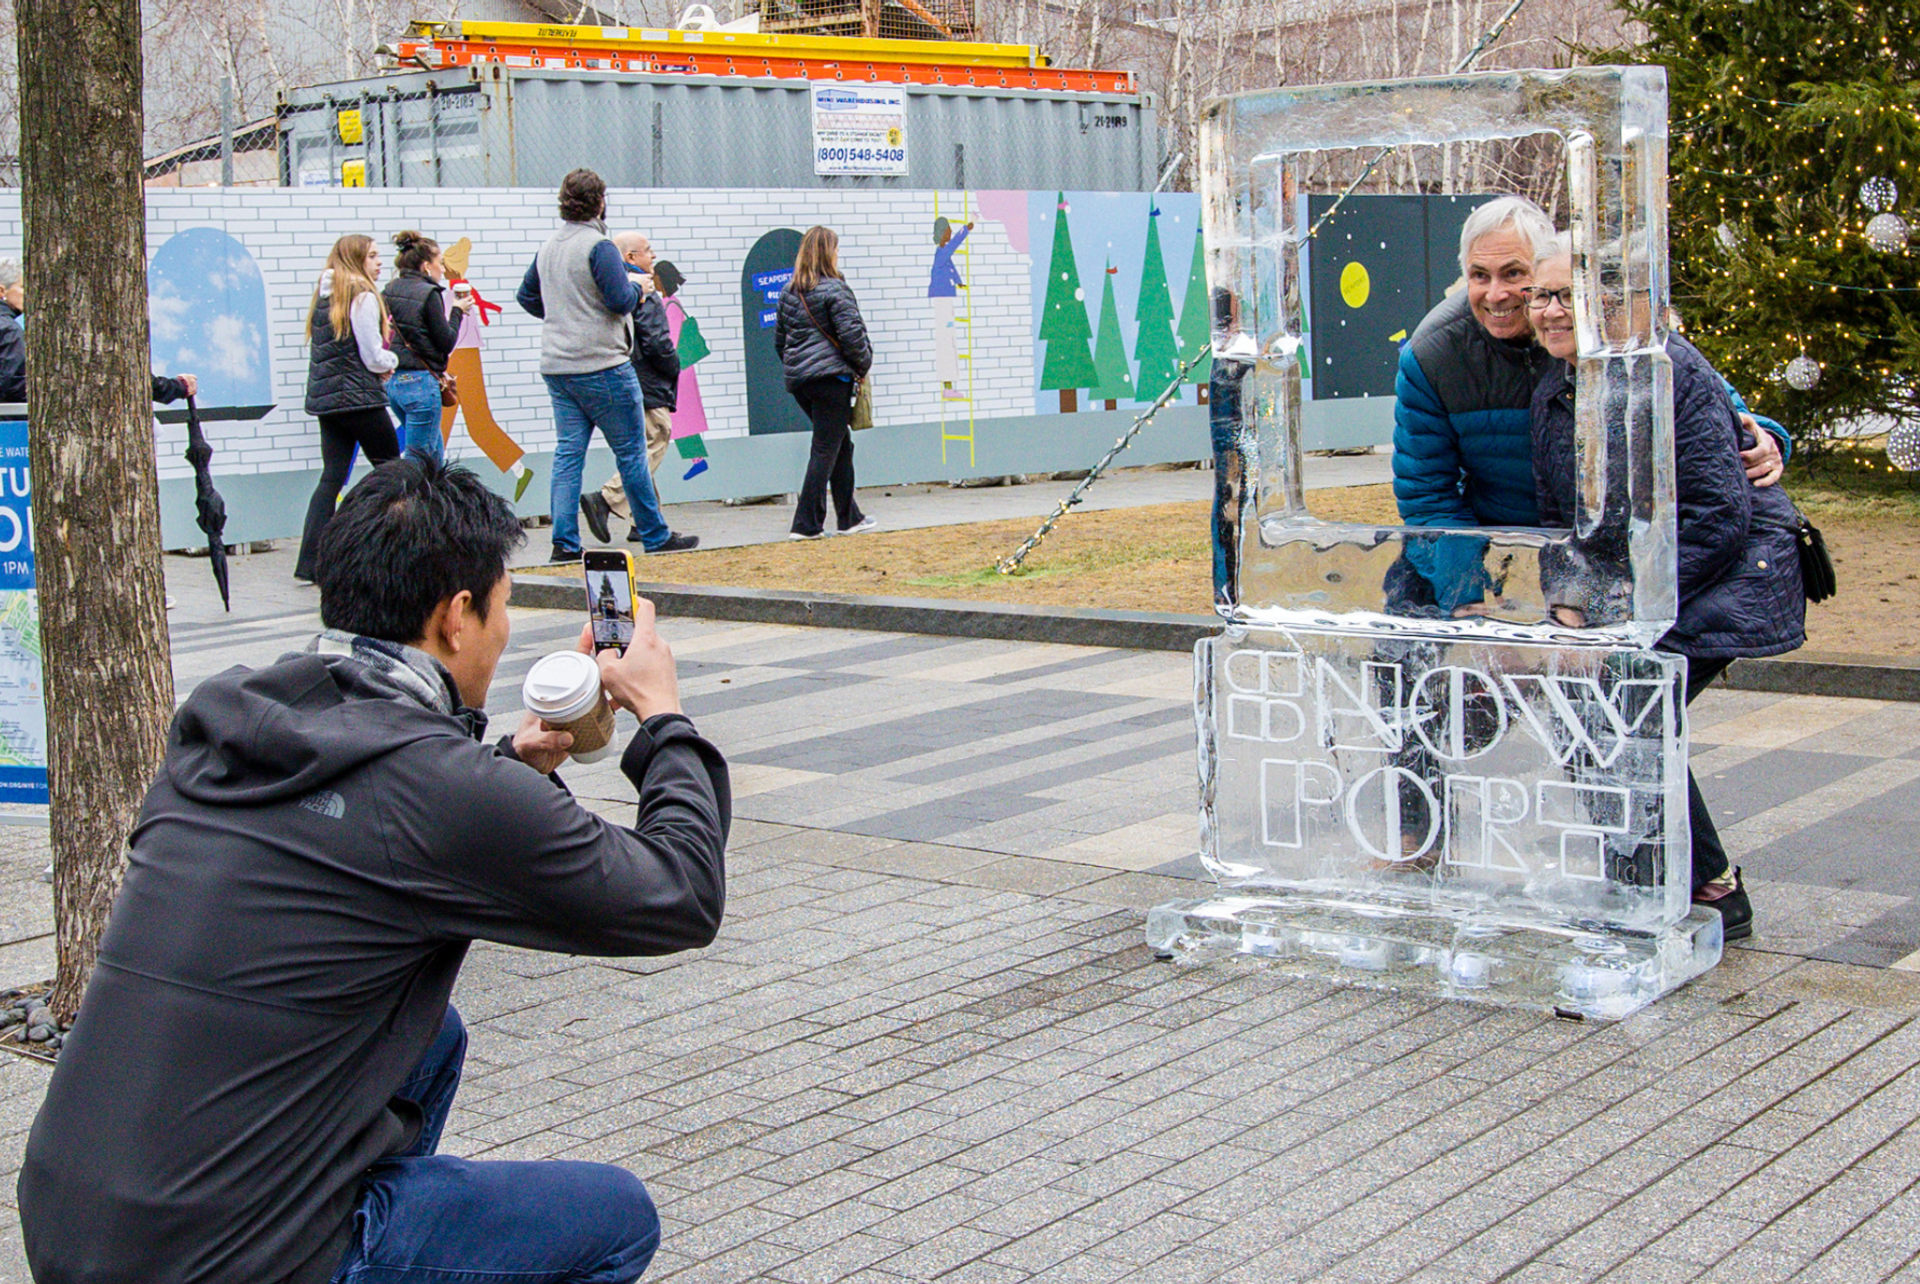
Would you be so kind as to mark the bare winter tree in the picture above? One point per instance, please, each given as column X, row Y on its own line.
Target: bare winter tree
column 1188, row 51
column 109, row 678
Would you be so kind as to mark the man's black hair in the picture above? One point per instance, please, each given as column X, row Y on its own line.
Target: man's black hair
column 407, row 538
column 583, row 196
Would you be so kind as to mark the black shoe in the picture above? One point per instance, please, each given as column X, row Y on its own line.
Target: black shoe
column 561, row 555
column 1736, row 911
column 596, row 511
column 633, row 537
column 677, row 543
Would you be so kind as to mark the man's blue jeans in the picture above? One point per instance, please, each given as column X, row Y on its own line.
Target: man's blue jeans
column 610, row 401
column 433, row 1219
column 415, row 397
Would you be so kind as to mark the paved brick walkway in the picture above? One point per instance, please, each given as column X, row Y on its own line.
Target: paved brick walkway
column 929, row 1044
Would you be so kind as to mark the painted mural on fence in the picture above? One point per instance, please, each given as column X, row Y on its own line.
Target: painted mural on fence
column 207, row 309
column 990, row 364
column 1119, row 296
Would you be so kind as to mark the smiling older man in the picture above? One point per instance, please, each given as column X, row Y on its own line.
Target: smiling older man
column 1462, row 454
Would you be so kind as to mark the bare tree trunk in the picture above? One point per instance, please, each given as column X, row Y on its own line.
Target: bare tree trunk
column 103, row 618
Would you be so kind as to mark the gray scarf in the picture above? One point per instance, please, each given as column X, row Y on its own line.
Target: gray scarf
column 421, row 677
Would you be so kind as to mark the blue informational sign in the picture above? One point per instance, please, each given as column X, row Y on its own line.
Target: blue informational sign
column 23, row 709
column 16, row 509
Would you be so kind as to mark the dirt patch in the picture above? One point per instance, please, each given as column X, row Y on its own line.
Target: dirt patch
column 1159, row 558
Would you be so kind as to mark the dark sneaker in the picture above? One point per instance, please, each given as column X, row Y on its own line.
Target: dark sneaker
column 561, row 555
column 1736, row 911
column 596, row 511
column 677, row 543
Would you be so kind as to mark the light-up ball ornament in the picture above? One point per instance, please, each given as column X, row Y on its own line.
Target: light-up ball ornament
column 1728, row 236
column 1903, row 447
column 1879, row 193
column 1887, row 233
column 1803, row 373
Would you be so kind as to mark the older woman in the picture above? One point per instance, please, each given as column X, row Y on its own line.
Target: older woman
column 1739, row 565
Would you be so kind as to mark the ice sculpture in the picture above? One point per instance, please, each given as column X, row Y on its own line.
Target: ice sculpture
column 1478, row 801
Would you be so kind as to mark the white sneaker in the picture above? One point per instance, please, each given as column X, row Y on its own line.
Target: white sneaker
column 798, row 535
column 864, row 524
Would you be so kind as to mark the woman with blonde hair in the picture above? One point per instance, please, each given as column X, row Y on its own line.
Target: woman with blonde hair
column 346, row 376
column 825, row 353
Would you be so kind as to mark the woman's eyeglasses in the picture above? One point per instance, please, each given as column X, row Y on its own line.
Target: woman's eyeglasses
column 1538, row 298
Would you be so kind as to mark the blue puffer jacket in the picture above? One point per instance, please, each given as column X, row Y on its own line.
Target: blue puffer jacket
column 1739, row 562
column 1461, row 445
column 1461, row 429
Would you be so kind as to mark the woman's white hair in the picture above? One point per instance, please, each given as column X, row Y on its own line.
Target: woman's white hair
column 10, row 273
column 1517, row 212
column 1559, row 245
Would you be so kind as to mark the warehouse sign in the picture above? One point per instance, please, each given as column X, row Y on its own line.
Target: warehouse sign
column 859, row 129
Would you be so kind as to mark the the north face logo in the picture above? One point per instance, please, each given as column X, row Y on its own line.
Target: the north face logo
column 326, row 802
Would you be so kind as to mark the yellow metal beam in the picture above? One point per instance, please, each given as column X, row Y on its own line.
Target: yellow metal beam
column 739, row 43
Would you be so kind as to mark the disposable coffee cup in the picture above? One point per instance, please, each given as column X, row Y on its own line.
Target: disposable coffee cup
column 563, row 690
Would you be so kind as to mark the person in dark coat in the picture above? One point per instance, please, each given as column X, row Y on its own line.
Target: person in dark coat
column 425, row 331
column 265, row 1055
column 346, row 378
column 825, row 353
column 13, row 344
column 1740, row 593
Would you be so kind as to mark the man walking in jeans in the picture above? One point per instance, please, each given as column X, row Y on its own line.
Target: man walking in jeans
column 579, row 287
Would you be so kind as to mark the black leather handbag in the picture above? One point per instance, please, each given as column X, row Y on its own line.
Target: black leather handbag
column 1816, row 567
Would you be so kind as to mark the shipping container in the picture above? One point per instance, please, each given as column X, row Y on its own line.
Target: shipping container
column 505, row 126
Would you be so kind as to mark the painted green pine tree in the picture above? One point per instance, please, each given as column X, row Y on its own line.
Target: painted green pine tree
column 1068, row 365
column 1196, row 323
column 1110, row 352
column 1153, row 342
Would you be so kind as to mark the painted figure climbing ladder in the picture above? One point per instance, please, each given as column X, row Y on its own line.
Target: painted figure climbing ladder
column 953, row 323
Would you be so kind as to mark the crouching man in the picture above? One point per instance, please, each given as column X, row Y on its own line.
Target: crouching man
column 255, row 1087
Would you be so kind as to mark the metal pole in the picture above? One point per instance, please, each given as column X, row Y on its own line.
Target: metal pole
column 1011, row 562
column 226, row 131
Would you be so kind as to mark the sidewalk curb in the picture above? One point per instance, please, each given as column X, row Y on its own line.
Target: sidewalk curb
column 1859, row 677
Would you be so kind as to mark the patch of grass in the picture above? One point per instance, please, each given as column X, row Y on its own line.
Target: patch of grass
column 1854, row 481
column 985, row 577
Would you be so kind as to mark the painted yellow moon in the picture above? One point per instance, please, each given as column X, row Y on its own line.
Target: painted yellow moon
column 1355, row 285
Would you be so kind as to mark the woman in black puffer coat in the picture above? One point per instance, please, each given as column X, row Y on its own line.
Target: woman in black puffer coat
column 824, row 352
column 1739, row 559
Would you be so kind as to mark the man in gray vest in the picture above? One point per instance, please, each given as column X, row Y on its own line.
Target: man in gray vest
column 579, row 287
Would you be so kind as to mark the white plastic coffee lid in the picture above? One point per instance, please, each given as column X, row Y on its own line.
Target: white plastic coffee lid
column 561, row 686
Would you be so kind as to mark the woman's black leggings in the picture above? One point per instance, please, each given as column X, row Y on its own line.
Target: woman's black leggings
column 370, row 430
column 829, row 404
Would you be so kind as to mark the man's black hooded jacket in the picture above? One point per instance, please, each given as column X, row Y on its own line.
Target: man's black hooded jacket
column 307, row 872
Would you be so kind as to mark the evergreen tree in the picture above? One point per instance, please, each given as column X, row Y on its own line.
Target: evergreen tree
column 1196, row 322
column 1153, row 343
column 1110, row 351
column 1063, row 321
column 1780, row 113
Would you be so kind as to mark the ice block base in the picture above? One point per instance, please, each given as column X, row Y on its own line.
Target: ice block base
column 1607, row 973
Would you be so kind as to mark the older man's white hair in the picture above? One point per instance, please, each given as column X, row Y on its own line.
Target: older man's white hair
column 11, row 273
column 1519, row 213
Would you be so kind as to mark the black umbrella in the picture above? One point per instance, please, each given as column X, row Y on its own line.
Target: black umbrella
column 211, row 509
